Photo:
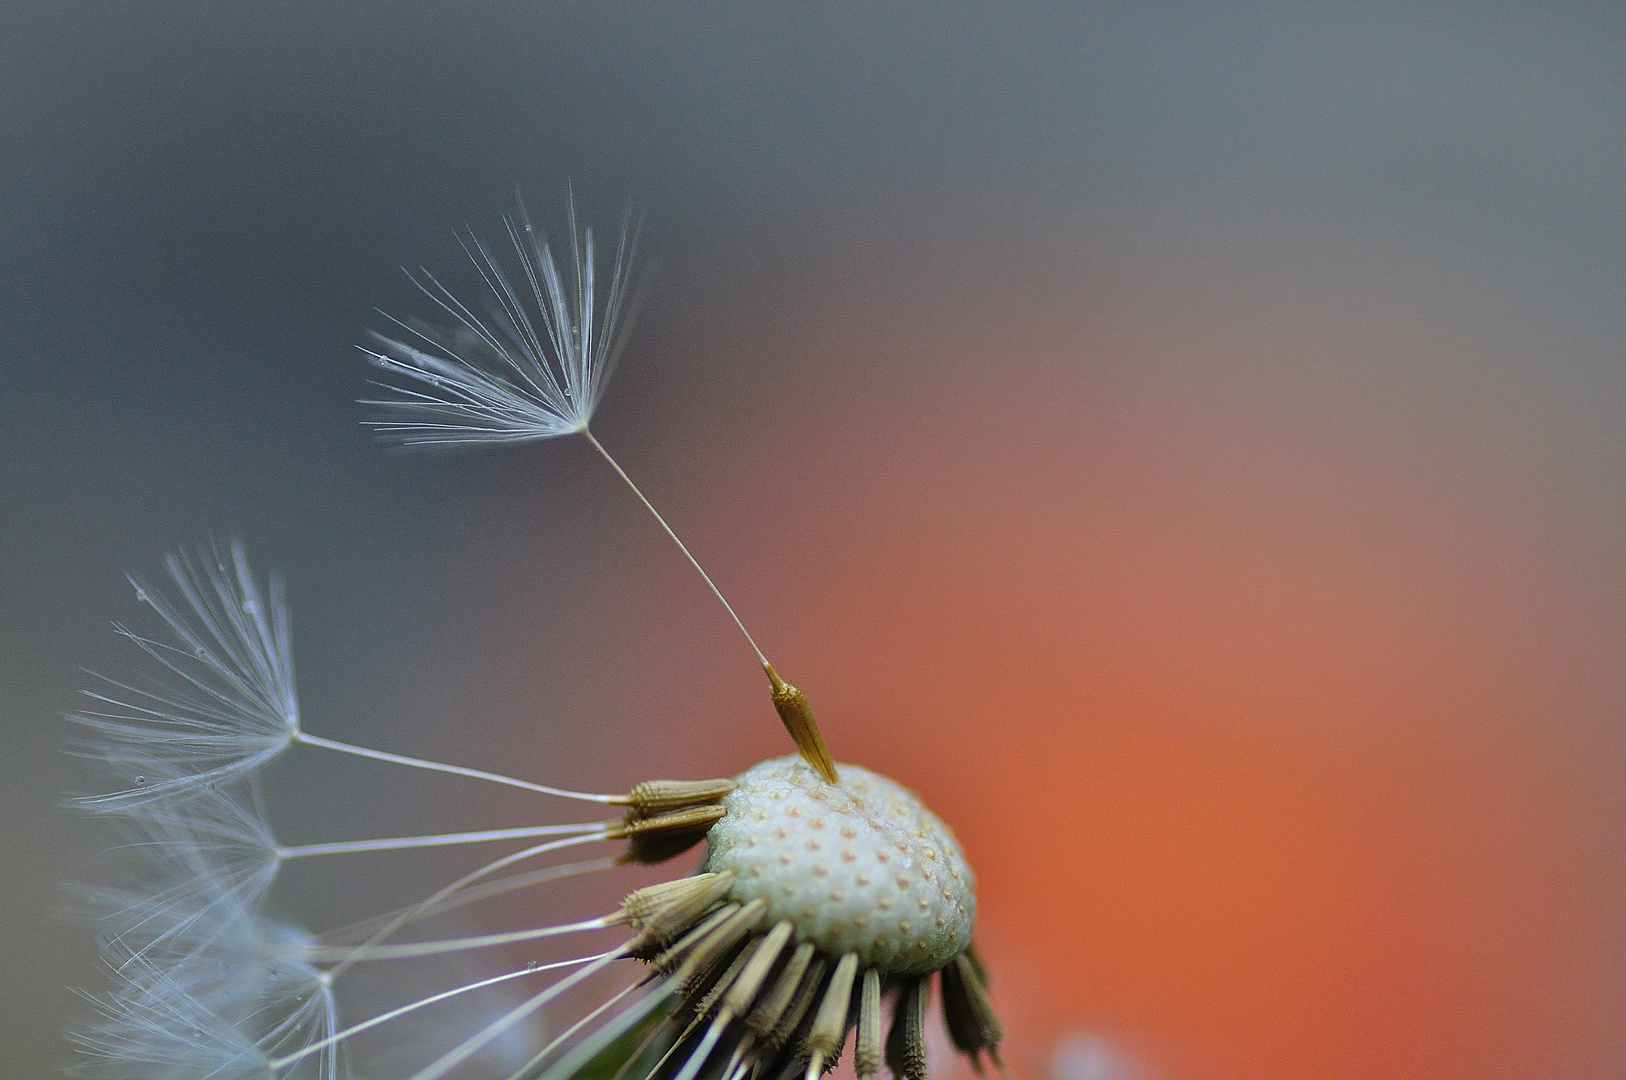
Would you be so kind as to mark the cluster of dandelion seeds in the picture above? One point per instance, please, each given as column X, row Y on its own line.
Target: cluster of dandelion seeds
column 828, row 896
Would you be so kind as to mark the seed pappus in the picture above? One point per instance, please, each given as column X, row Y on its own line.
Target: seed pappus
column 828, row 896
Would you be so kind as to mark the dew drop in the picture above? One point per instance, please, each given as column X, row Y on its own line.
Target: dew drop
column 250, row 607
column 201, row 653
column 141, row 597
column 141, row 781
column 534, row 965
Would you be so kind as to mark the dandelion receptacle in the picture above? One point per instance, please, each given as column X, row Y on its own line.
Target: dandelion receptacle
column 827, row 904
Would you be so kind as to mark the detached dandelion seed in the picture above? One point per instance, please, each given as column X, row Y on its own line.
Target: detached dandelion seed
column 825, row 891
column 217, row 702
column 534, row 368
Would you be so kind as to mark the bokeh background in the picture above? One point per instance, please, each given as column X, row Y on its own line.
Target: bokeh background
column 1186, row 443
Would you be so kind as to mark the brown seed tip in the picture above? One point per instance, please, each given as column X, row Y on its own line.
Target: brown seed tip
column 654, row 797
column 806, row 991
column 967, row 1012
column 667, row 961
column 664, row 911
column 656, row 839
column 829, row 1029
column 906, row 1042
column 743, row 991
column 712, row 948
column 867, row 1055
column 797, row 716
column 771, row 1006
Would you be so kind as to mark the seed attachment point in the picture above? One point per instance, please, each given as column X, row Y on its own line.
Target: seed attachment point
column 797, row 716
column 664, row 911
column 655, row 839
column 654, row 797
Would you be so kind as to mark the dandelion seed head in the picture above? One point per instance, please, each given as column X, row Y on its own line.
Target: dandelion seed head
column 823, row 888
column 881, row 875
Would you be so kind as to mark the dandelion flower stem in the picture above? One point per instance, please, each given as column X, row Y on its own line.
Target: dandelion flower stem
column 790, row 702
column 384, row 1018
column 455, row 770
column 433, row 948
column 588, row 435
column 472, row 1045
column 427, row 904
column 529, row 1068
column 474, row 895
column 398, row 843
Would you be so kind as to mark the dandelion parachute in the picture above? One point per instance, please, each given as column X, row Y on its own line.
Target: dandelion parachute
column 823, row 893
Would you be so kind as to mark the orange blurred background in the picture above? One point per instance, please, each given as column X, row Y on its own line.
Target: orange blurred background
column 1266, row 660
column 1272, row 685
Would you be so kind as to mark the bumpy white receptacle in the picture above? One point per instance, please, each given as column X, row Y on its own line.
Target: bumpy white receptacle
column 860, row 866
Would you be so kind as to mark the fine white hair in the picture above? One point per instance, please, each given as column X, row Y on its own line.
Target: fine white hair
column 534, row 366
column 204, row 982
column 220, row 700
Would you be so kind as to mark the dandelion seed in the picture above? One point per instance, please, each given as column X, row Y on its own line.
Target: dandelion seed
column 505, row 381
column 221, row 702
column 534, row 367
column 204, row 982
column 824, row 891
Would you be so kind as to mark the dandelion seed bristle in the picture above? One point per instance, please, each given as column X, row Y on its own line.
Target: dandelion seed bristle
column 220, row 700
column 822, row 892
column 403, row 843
column 415, row 949
column 473, row 1044
column 527, row 1070
column 534, row 367
column 906, row 1041
column 455, row 770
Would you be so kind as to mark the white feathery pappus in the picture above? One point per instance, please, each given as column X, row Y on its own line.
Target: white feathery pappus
column 828, row 898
